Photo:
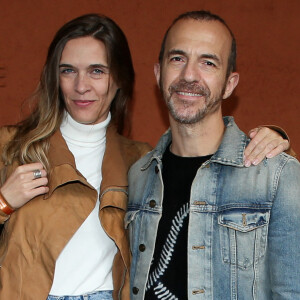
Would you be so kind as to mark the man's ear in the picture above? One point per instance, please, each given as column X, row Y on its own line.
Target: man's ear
column 232, row 82
column 157, row 72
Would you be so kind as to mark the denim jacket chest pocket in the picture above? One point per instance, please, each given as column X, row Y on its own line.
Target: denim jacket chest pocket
column 243, row 236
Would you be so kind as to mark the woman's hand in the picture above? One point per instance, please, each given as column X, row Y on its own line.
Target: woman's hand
column 265, row 142
column 25, row 183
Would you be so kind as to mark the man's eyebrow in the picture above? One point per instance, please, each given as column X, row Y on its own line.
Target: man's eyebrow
column 211, row 56
column 206, row 55
column 175, row 51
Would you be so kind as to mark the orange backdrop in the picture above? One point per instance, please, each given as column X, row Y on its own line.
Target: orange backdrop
column 267, row 33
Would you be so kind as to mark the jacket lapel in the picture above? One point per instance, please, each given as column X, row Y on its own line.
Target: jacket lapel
column 114, row 167
column 62, row 162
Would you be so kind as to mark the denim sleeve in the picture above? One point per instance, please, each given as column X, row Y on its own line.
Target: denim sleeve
column 284, row 233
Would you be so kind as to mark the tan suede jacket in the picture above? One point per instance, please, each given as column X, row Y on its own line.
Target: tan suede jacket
column 34, row 235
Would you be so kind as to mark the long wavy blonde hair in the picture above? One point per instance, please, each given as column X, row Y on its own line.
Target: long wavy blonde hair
column 31, row 140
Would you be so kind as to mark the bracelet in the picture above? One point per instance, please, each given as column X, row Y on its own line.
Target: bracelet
column 4, row 206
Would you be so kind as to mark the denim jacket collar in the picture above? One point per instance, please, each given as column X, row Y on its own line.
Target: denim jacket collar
column 224, row 155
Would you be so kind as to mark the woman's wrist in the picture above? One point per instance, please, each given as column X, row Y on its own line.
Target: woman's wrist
column 4, row 205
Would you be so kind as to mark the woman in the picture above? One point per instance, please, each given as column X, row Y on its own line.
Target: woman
column 65, row 167
column 55, row 157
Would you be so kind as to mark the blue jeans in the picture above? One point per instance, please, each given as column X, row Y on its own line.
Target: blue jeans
column 101, row 295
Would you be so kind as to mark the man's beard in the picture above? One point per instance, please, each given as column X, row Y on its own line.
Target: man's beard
column 190, row 116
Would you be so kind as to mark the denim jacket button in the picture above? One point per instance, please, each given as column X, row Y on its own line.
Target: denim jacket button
column 142, row 247
column 195, row 292
column 135, row 290
column 152, row 203
column 198, row 247
column 156, row 169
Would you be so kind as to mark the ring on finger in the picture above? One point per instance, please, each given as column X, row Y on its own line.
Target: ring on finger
column 37, row 174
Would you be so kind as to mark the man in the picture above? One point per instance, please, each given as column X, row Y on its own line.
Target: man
column 203, row 225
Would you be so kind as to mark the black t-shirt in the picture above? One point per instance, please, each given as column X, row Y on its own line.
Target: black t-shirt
column 168, row 271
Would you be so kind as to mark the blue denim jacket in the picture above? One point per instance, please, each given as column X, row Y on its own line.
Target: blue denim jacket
column 244, row 224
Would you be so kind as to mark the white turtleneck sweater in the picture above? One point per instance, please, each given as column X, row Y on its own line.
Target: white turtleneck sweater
column 85, row 264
